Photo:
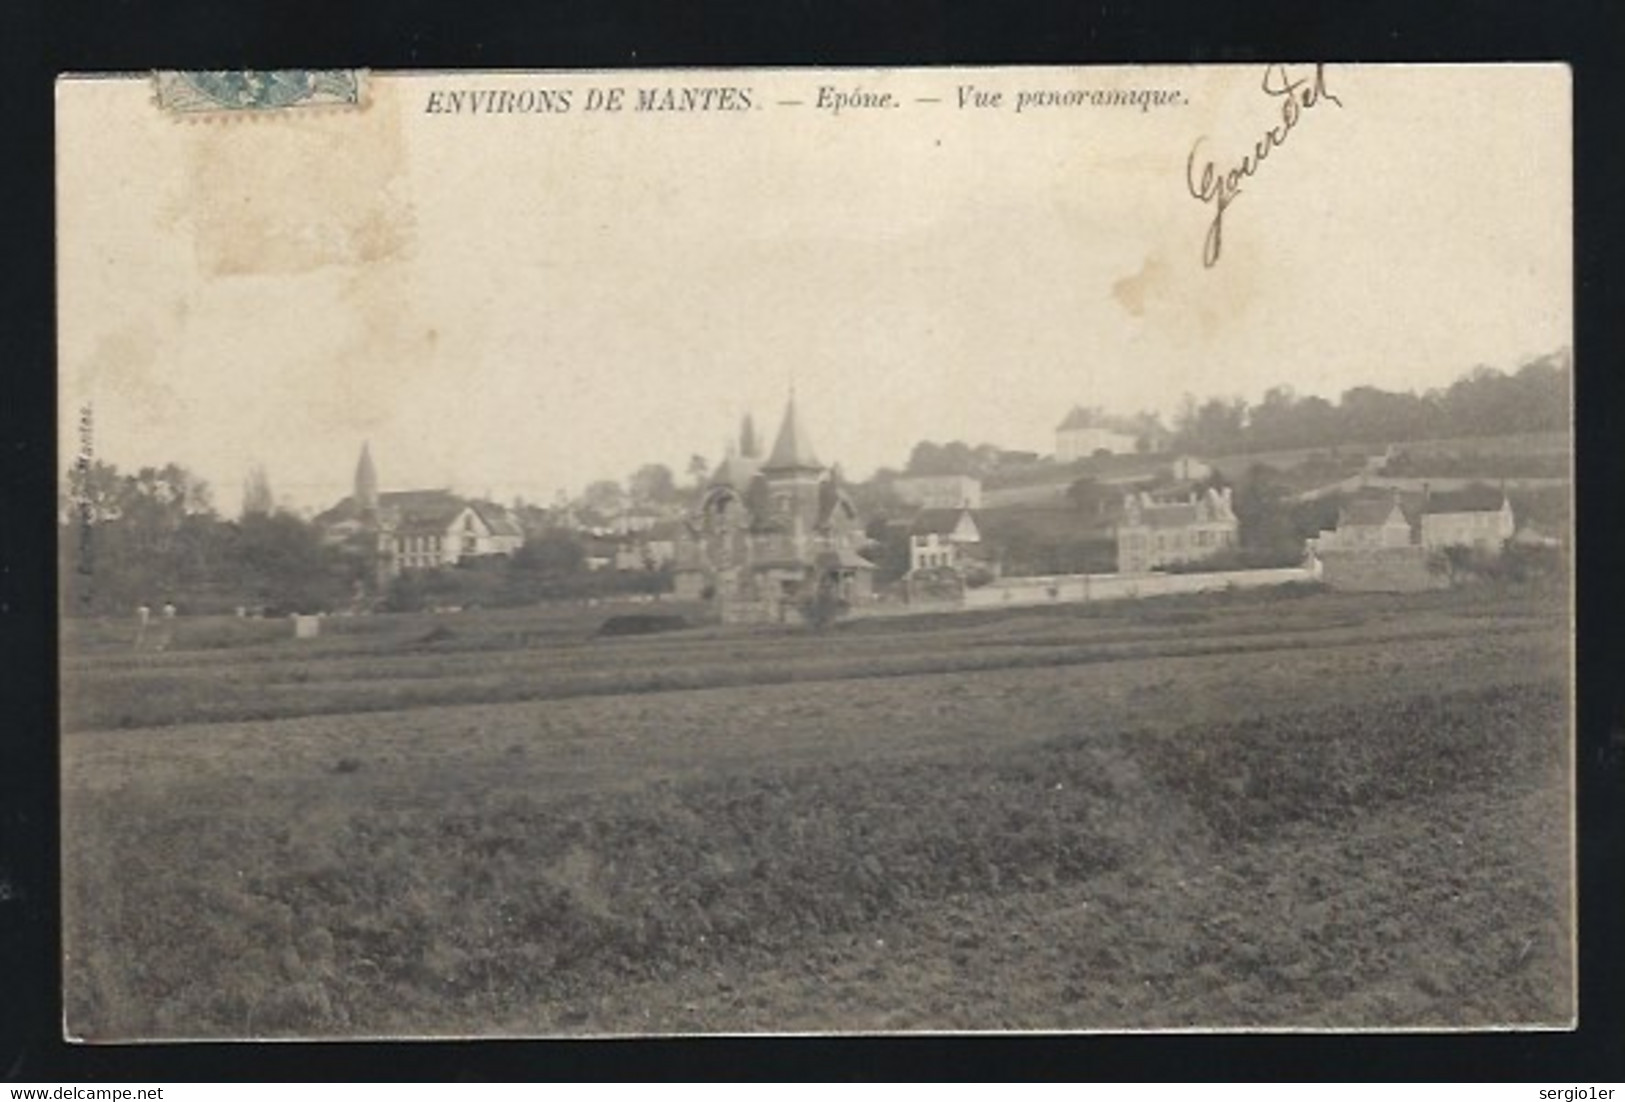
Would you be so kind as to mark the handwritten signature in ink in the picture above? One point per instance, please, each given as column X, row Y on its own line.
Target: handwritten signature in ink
column 1220, row 188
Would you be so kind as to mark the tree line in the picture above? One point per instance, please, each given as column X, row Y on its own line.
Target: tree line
column 153, row 537
column 1484, row 402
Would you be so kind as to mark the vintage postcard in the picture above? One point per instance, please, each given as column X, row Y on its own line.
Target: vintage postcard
column 793, row 551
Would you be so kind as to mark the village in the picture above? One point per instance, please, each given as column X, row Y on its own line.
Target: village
column 775, row 532
column 666, row 755
column 770, row 531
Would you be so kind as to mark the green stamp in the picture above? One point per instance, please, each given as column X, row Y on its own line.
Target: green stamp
column 237, row 91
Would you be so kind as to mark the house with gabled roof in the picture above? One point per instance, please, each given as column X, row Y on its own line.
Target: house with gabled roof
column 942, row 538
column 1375, row 547
column 1369, row 524
column 1476, row 517
column 417, row 529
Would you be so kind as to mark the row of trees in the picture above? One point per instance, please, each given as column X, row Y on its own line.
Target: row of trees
column 652, row 486
column 1485, row 402
column 154, row 537
column 957, row 457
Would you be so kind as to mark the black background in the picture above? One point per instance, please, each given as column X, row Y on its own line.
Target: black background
column 38, row 40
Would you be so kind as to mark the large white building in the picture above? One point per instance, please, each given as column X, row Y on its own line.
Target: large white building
column 1083, row 434
column 417, row 529
column 1157, row 532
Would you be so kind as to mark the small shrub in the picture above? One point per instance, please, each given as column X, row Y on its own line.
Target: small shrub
column 641, row 624
column 1238, row 558
column 823, row 606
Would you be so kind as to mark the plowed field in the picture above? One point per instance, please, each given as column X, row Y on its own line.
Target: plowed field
column 1312, row 812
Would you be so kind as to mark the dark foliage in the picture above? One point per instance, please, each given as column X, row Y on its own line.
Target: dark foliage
column 823, row 605
column 1249, row 780
column 1485, row 402
column 641, row 624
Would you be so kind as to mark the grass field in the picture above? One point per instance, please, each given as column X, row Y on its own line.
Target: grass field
column 1314, row 810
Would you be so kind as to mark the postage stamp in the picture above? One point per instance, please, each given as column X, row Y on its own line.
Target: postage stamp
column 211, row 91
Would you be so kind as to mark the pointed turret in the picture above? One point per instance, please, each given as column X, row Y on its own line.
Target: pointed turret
column 366, row 482
column 792, row 450
column 748, row 446
column 736, row 470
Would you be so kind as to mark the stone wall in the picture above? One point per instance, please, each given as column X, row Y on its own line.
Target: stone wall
column 1379, row 570
column 1079, row 588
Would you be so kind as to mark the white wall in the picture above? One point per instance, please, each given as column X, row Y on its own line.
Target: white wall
column 1077, row 588
column 1073, row 444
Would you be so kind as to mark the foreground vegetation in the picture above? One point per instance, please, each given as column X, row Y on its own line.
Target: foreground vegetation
column 1321, row 811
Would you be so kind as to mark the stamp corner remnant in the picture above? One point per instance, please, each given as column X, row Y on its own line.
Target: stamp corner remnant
column 257, row 91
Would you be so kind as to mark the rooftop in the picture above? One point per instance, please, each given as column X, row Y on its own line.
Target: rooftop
column 1178, row 515
column 1369, row 512
column 792, row 449
column 938, row 521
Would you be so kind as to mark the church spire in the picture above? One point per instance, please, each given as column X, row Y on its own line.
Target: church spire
column 366, row 481
column 792, row 450
column 748, row 446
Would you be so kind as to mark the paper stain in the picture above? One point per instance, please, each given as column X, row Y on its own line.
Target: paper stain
column 1187, row 302
column 320, row 205
column 124, row 366
column 1131, row 292
column 284, row 195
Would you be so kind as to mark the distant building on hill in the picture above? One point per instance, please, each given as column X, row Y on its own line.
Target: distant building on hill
column 1085, row 432
column 1145, row 469
column 939, row 491
column 1188, row 468
column 1157, row 532
column 417, row 529
column 770, row 533
column 942, row 538
column 1162, row 474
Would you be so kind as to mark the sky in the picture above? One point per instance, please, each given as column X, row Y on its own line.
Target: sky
column 520, row 304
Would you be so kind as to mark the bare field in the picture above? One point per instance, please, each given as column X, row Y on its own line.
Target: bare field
column 1226, row 811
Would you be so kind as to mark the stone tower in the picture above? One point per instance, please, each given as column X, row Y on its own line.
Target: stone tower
column 792, row 472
